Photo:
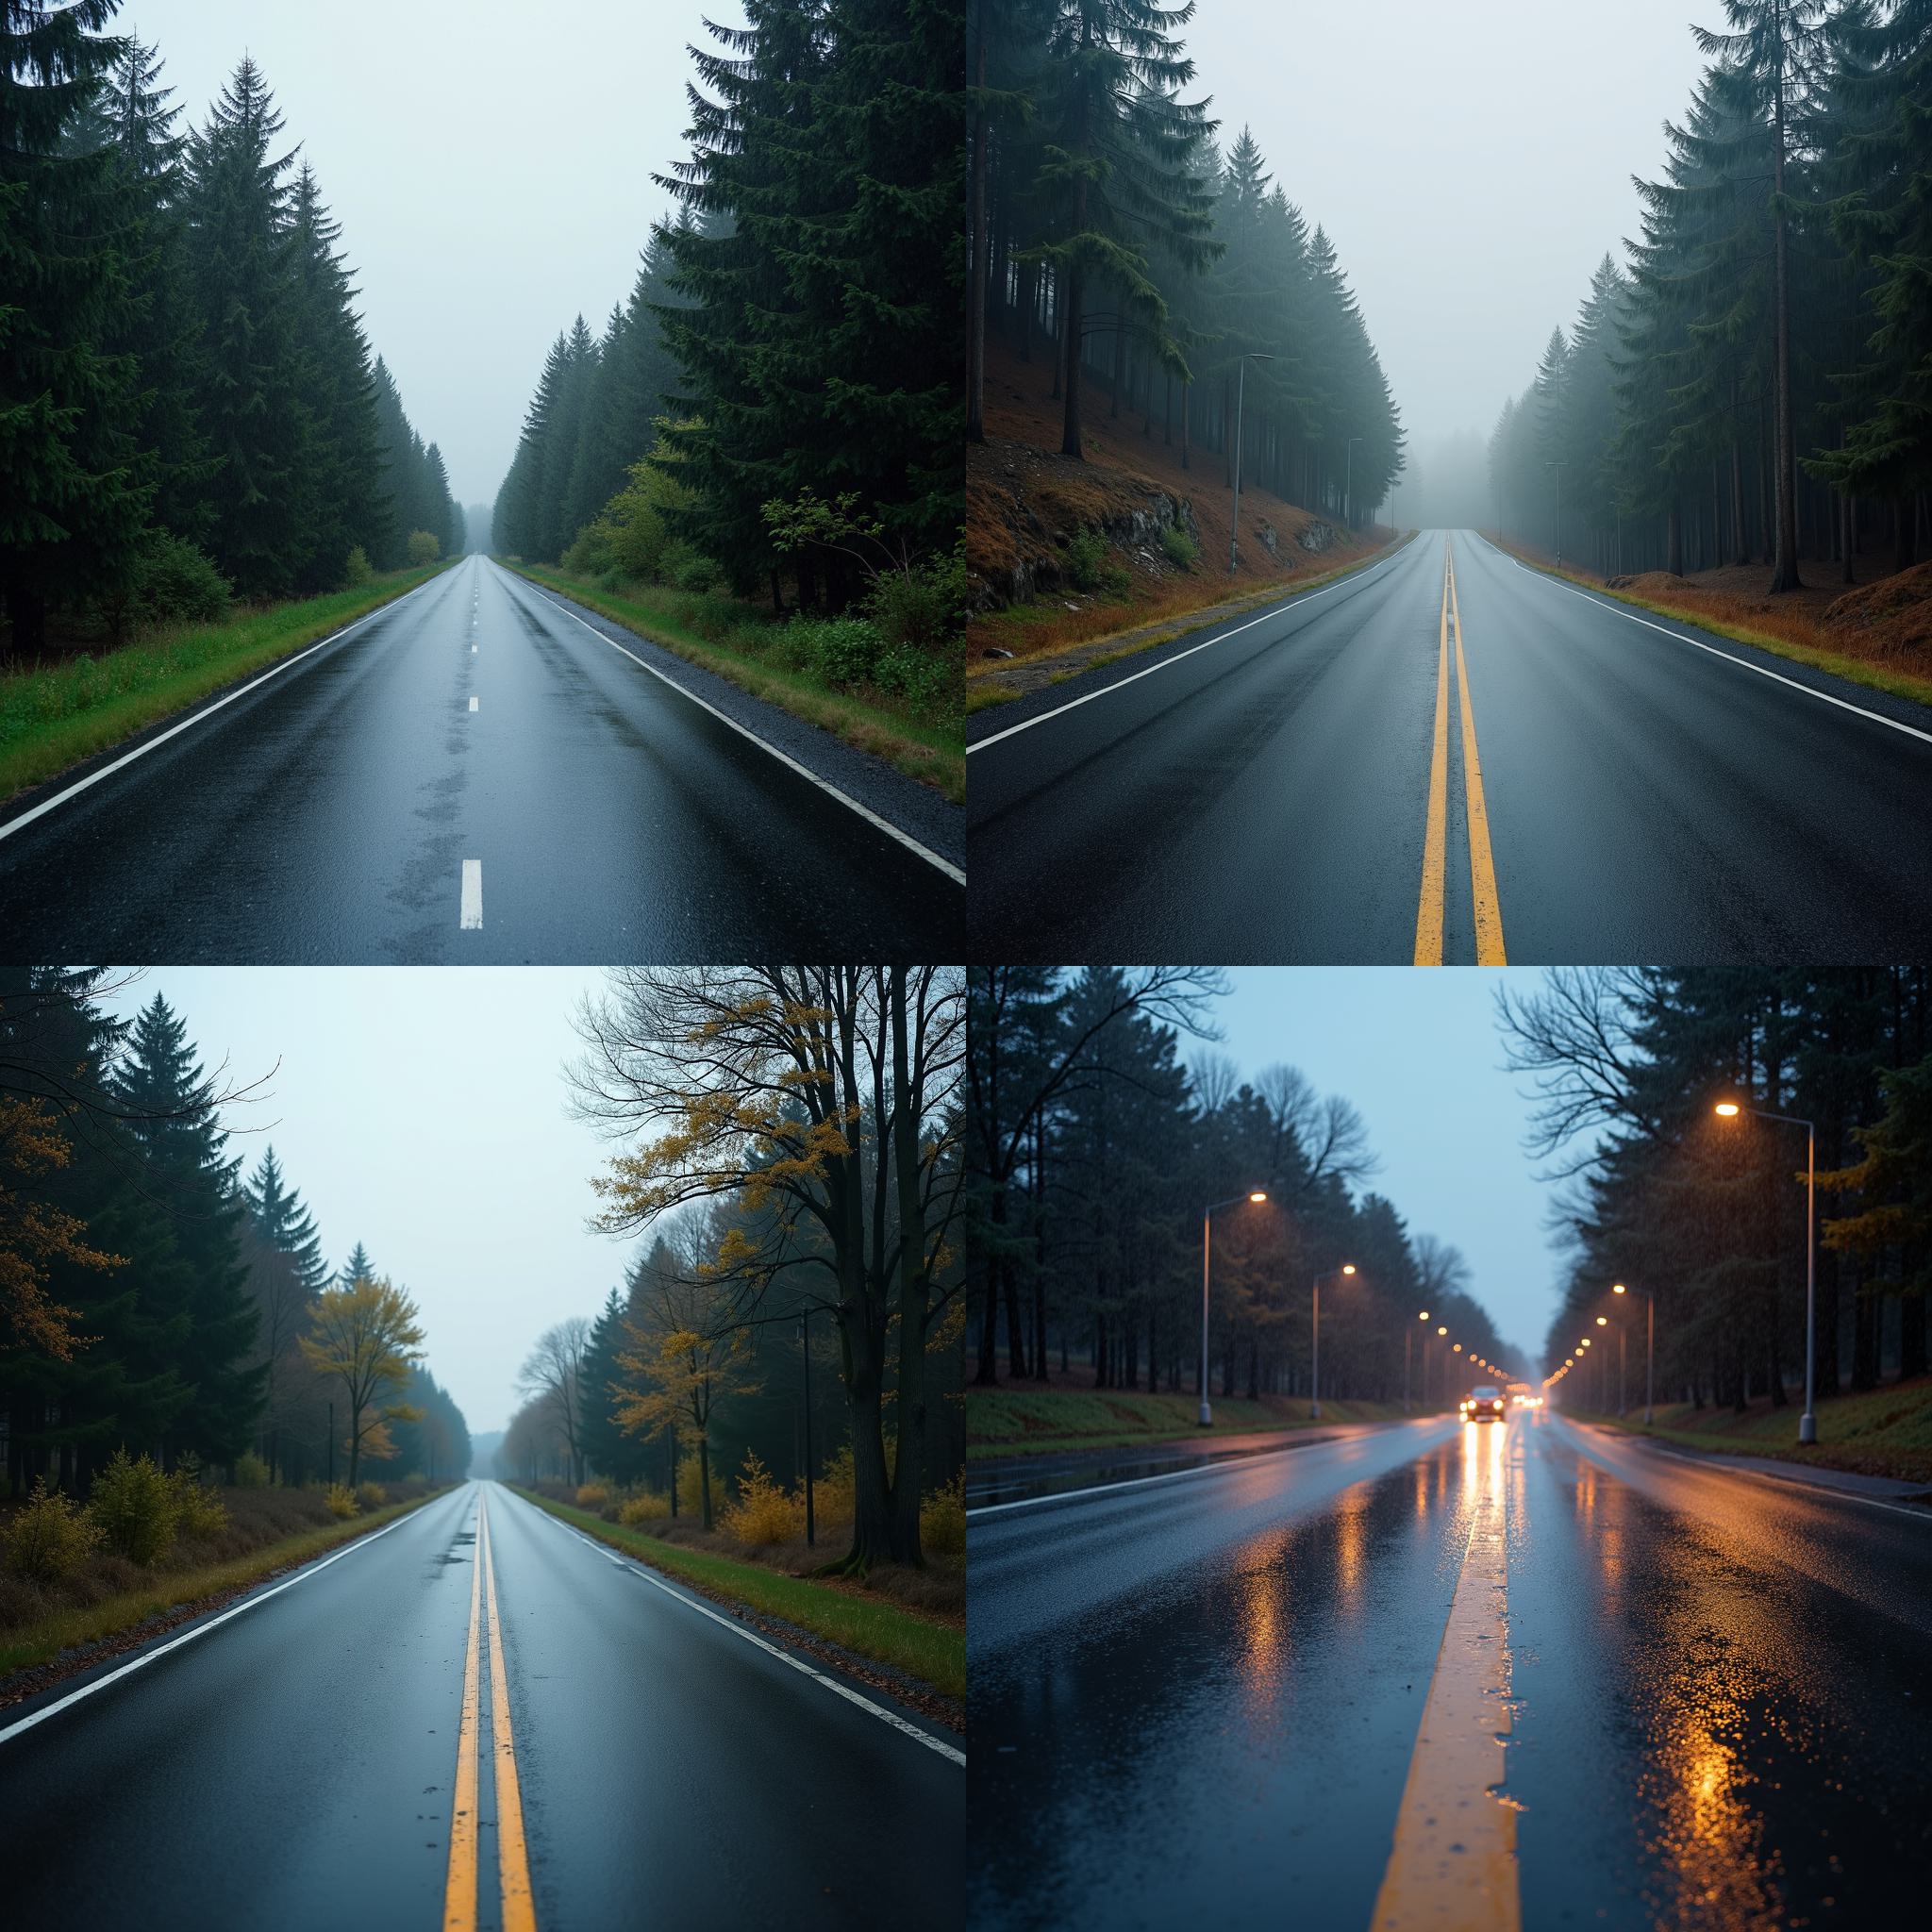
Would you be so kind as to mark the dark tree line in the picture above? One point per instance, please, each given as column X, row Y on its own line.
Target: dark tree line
column 1094, row 1151
column 793, row 334
column 153, row 1296
column 1754, row 383
column 188, row 405
column 1707, row 1214
column 1104, row 216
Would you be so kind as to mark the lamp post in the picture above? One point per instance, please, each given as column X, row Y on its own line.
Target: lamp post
column 1347, row 472
column 1315, row 1365
column 1407, row 1342
column 805, row 1339
column 1729, row 1109
column 1240, row 397
column 1207, row 1222
column 1553, row 464
column 1649, row 1347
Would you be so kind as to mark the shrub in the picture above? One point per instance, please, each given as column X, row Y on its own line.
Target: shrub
column 137, row 1507
column 424, row 548
column 763, row 1513
column 843, row 651
column 50, row 1538
column 1180, row 548
column 174, row 582
column 1086, row 556
column 942, row 1518
column 198, row 1511
column 689, row 1493
column 593, row 1496
column 250, row 1472
column 693, row 571
column 589, row 555
column 832, row 1492
column 369, row 1495
column 643, row 1506
column 342, row 1501
column 926, row 606
column 356, row 571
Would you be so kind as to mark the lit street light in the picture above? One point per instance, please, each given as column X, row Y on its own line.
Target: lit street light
column 1315, row 1365
column 1408, row 1338
column 1206, row 1218
column 1728, row 1110
column 1649, row 1347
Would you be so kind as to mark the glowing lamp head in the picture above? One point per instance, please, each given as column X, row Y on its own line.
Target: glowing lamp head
column 1348, row 1267
column 1728, row 1109
column 1618, row 1288
column 1442, row 1330
column 1603, row 1321
column 1424, row 1316
column 1258, row 1195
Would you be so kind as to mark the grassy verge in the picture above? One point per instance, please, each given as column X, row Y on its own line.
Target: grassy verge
column 923, row 1647
column 1882, row 1432
column 1028, row 1421
column 934, row 754
column 998, row 680
column 54, row 715
column 44, row 1638
column 1706, row 616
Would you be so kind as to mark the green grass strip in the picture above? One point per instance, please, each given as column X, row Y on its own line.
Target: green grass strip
column 933, row 754
column 1898, row 684
column 53, row 716
column 1008, row 1422
column 40, row 1641
column 933, row 1652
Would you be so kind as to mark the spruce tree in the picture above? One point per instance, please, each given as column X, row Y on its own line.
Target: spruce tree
column 284, row 1222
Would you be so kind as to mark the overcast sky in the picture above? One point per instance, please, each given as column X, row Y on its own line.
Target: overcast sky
column 1418, row 1055
column 422, row 1113
column 490, row 167
column 1472, row 163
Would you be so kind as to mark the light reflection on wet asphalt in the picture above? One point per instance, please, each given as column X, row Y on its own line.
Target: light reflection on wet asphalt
column 1197, row 1701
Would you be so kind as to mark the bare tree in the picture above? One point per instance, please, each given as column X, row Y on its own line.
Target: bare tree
column 1576, row 1041
column 1329, row 1132
column 552, row 1377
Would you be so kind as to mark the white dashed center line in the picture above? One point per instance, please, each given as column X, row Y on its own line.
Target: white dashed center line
column 473, row 703
column 472, row 895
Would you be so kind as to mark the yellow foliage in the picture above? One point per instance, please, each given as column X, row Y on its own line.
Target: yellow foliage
column 136, row 1504
column 763, row 1513
column 834, row 1493
column 593, row 1496
column 197, row 1511
column 943, row 1519
column 370, row 1496
column 342, row 1501
column 49, row 1538
column 643, row 1506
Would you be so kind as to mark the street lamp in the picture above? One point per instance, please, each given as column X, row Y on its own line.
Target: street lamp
column 1206, row 1218
column 1728, row 1110
column 1240, row 397
column 1315, row 1367
column 1649, row 1347
column 1407, row 1341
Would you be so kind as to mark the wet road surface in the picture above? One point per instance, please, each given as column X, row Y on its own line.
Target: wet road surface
column 479, row 771
column 1270, row 798
column 298, row 1766
column 1223, row 1700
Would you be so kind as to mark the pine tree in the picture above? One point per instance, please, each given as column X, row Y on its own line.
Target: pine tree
column 284, row 1222
column 358, row 1267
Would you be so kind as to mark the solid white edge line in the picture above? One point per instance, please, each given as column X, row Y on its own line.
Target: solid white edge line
column 46, row 805
column 1294, row 601
column 1219, row 1465
column 738, row 1629
column 1764, row 1476
column 1616, row 609
column 148, row 1657
column 891, row 831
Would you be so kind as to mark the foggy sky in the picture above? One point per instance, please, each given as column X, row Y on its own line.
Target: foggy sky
column 490, row 167
column 1471, row 162
column 422, row 1113
column 1419, row 1056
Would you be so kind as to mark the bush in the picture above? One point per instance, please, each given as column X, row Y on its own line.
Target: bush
column 943, row 1519
column 843, row 651
column 369, row 1495
column 49, row 1538
column 1086, row 556
column 589, row 555
column 693, row 571
column 250, row 1472
column 424, row 548
column 763, row 1513
column 356, row 571
column 198, row 1511
column 175, row 582
column 342, row 1501
column 1180, row 548
column 833, row 1493
column 643, row 1506
column 136, row 1507
column 690, row 1492
column 926, row 606
column 593, row 1496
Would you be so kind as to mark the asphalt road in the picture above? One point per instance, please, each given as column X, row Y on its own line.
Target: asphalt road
column 1261, row 790
column 1274, row 1692
column 299, row 1765
column 479, row 771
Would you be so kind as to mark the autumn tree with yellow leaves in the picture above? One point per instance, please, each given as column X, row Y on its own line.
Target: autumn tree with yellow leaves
column 365, row 1337
column 820, row 1103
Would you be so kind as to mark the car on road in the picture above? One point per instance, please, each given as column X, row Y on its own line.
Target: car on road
column 1484, row 1404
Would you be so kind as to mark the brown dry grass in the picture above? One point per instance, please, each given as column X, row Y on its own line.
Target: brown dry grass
column 1878, row 634
column 1018, row 478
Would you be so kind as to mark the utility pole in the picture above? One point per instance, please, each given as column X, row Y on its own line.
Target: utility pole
column 331, row 1442
column 804, row 1336
column 1235, row 522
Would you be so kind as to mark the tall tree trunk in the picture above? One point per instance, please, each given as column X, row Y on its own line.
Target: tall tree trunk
column 1187, row 410
column 1673, row 542
column 1784, row 568
column 1907, row 533
column 975, row 307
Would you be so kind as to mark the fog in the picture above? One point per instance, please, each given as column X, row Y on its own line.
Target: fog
column 1472, row 164
column 491, row 169
column 1419, row 1056
column 421, row 1113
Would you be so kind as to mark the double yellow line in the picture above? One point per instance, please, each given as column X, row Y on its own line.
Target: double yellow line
column 1482, row 869
column 512, row 1857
